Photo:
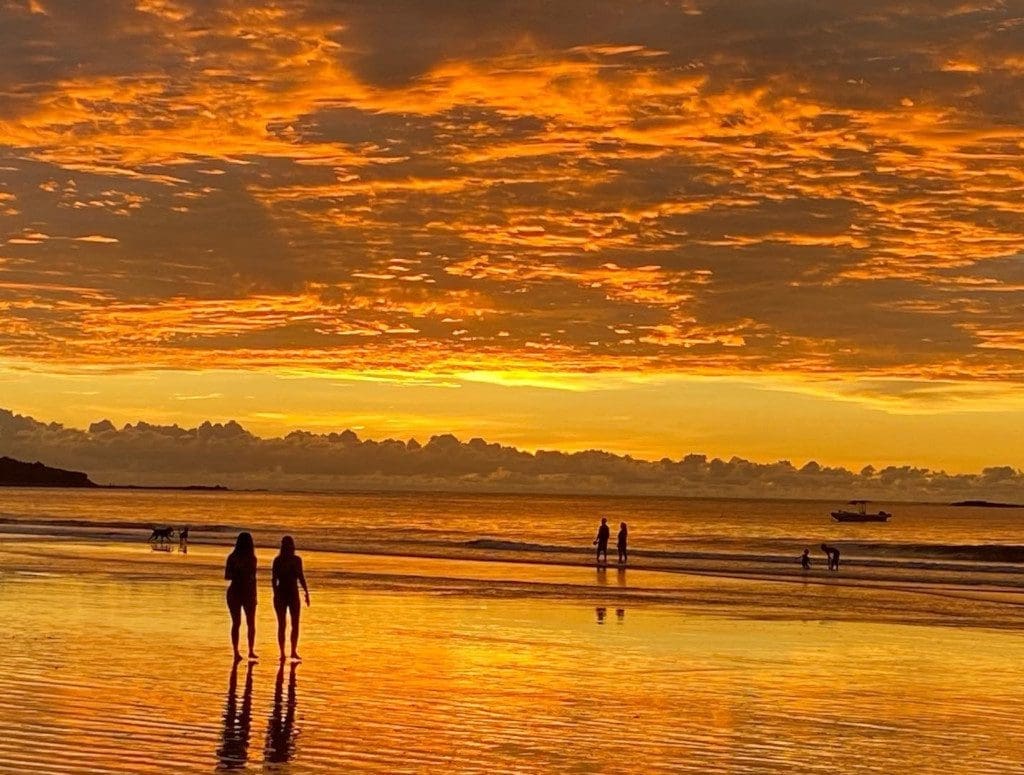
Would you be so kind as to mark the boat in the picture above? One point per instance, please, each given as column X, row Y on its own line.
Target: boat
column 861, row 514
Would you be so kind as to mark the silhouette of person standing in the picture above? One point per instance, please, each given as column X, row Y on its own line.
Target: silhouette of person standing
column 623, row 533
column 601, row 542
column 831, row 555
column 240, row 570
column 805, row 559
column 286, row 576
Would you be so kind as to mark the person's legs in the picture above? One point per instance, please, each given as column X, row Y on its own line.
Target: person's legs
column 250, row 620
column 281, row 609
column 296, row 609
column 235, row 609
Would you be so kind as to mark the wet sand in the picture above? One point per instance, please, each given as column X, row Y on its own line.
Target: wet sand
column 115, row 658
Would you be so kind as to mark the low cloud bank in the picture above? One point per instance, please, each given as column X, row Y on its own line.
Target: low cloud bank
column 215, row 453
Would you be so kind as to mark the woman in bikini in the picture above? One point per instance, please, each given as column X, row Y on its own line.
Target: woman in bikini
column 286, row 577
column 240, row 570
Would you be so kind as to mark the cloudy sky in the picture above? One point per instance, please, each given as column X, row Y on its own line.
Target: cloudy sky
column 770, row 228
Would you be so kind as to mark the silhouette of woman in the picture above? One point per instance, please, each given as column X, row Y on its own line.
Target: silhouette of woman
column 286, row 577
column 240, row 570
column 623, row 533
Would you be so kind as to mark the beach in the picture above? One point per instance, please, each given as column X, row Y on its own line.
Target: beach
column 116, row 659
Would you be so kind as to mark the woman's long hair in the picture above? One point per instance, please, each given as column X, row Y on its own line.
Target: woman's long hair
column 244, row 546
column 287, row 546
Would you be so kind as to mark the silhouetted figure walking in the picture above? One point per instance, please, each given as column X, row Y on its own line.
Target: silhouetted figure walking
column 286, row 577
column 601, row 542
column 281, row 727
column 623, row 533
column 831, row 555
column 240, row 570
column 234, row 747
column 805, row 559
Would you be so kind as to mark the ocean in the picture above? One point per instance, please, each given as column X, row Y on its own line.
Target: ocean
column 922, row 542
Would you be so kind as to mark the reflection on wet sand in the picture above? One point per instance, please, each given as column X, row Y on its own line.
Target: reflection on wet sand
column 441, row 666
column 234, row 748
column 281, row 726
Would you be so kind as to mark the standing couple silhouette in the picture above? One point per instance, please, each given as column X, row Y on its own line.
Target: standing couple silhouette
column 286, row 576
column 601, row 542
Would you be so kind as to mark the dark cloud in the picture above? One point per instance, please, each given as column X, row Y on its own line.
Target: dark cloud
column 45, row 42
column 225, row 453
column 169, row 232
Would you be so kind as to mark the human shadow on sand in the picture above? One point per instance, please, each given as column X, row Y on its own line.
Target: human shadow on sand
column 234, row 747
column 281, row 733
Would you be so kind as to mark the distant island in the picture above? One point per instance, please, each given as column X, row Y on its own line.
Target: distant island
column 15, row 473
column 989, row 505
column 186, row 487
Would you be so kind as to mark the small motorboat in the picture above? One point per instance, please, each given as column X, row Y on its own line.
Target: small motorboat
column 861, row 514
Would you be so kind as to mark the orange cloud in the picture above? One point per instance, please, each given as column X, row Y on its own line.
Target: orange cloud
column 672, row 189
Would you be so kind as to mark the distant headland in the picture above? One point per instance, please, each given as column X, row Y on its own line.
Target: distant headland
column 185, row 488
column 16, row 473
column 989, row 505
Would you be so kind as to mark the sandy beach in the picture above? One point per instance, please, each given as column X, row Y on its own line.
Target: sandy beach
column 116, row 659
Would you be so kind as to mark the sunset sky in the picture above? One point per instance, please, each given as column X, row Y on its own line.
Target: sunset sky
column 770, row 228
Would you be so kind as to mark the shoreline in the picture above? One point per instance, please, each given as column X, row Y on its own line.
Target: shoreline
column 748, row 594
column 782, row 567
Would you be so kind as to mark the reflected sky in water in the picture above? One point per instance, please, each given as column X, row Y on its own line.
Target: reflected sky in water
column 447, row 672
